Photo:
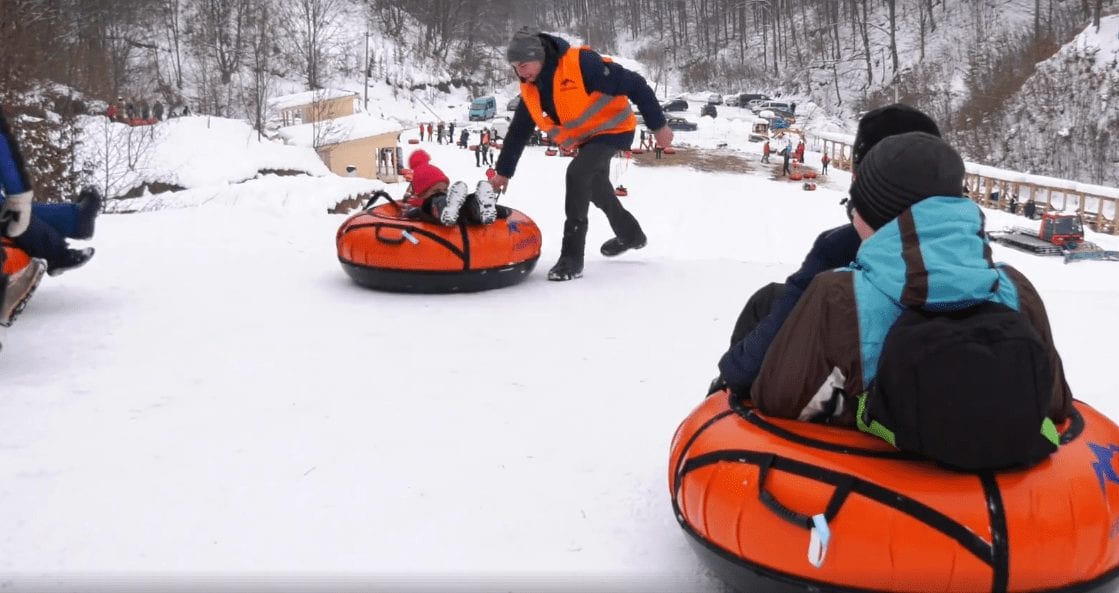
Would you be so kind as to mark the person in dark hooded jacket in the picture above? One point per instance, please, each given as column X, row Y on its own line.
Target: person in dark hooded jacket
column 766, row 311
column 580, row 100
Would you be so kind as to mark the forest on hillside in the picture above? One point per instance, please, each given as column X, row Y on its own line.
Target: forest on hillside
column 964, row 61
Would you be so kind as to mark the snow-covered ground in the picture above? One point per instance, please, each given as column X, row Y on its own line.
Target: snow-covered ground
column 212, row 403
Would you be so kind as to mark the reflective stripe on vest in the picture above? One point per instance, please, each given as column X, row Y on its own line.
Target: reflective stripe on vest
column 583, row 115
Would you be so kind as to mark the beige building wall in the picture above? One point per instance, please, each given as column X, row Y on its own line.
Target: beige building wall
column 363, row 153
column 318, row 111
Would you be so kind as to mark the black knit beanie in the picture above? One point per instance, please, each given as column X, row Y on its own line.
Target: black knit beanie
column 902, row 170
column 887, row 121
column 526, row 46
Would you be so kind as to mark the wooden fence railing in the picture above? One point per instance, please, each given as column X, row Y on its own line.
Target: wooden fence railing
column 1008, row 190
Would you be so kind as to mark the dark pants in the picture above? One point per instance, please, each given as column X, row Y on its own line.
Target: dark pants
column 588, row 180
column 43, row 241
column 63, row 217
column 756, row 309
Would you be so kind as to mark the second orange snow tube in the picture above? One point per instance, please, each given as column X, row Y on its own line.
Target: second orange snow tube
column 380, row 248
column 15, row 259
column 752, row 492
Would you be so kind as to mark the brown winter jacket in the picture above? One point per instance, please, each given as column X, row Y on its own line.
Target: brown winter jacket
column 822, row 335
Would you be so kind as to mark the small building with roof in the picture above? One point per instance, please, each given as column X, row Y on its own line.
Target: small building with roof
column 312, row 106
column 356, row 145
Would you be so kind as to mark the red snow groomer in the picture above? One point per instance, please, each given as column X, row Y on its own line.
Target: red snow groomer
column 1059, row 234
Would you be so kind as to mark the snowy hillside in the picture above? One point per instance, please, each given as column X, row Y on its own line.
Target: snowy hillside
column 1067, row 114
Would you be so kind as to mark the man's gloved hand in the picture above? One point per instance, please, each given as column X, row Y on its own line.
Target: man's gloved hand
column 499, row 182
column 15, row 214
column 663, row 136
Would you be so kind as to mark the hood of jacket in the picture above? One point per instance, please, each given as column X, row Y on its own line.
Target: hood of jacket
column 946, row 259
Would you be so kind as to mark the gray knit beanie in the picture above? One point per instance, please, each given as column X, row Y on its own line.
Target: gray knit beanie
column 526, row 46
column 902, row 170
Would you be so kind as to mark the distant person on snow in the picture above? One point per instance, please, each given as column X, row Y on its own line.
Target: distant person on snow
column 432, row 196
column 768, row 308
column 593, row 116
column 765, row 152
column 824, row 160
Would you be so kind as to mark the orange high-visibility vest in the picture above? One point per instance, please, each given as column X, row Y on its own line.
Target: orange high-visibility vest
column 583, row 114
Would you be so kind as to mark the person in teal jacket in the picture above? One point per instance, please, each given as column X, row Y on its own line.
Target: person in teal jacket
column 923, row 246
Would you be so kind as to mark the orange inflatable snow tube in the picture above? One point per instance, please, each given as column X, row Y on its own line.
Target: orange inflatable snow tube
column 15, row 259
column 785, row 506
column 380, row 248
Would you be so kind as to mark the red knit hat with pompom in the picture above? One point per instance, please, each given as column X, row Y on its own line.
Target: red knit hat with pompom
column 424, row 174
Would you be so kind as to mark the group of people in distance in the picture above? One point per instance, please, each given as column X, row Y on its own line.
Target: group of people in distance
column 40, row 230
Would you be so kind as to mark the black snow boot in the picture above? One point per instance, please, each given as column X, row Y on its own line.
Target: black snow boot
column 74, row 258
column 89, row 206
column 618, row 246
column 567, row 268
column 570, row 264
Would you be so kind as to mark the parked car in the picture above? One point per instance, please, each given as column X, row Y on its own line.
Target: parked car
column 512, row 105
column 500, row 126
column 775, row 105
column 682, row 125
column 783, row 114
column 731, row 100
column 754, row 104
column 745, row 98
column 709, row 110
column 714, row 99
column 675, row 105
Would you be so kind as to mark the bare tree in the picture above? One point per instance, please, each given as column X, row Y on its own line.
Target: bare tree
column 391, row 15
column 324, row 130
column 220, row 29
column 861, row 27
column 892, row 9
column 312, row 26
column 120, row 157
column 172, row 21
column 260, row 48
